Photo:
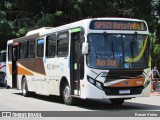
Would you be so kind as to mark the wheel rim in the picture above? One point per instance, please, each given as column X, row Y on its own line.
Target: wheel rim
column 6, row 84
column 66, row 93
column 24, row 88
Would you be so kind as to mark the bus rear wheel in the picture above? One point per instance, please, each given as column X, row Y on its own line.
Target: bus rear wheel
column 117, row 101
column 6, row 85
column 25, row 91
column 67, row 98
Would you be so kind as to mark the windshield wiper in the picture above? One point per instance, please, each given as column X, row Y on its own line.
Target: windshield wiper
column 132, row 44
column 109, row 44
column 132, row 49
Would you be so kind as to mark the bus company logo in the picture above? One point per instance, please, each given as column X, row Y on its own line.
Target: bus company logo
column 6, row 114
column 21, row 114
column 126, row 82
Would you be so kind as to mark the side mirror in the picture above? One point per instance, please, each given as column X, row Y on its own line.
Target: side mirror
column 85, row 48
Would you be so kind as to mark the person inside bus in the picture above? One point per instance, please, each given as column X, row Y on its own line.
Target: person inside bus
column 155, row 78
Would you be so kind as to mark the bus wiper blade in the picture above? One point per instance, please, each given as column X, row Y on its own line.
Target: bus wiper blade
column 112, row 49
column 132, row 49
column 132, row 44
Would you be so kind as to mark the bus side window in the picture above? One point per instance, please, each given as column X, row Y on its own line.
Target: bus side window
column 62, row 44
column 22, row 50
column 51, row 45
column 40, row 47
column 31, row 48
column 4, row 57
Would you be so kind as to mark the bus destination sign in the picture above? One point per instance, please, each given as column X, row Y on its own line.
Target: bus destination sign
column 117, row 25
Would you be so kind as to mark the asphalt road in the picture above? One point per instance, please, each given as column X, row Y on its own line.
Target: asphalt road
column 12, row 100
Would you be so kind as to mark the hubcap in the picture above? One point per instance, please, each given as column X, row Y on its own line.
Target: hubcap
column 24, row 88
column 67, row 94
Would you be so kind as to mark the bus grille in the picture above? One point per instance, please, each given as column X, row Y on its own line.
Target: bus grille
column 123, row 74
column 116, row 74
column 115, row 90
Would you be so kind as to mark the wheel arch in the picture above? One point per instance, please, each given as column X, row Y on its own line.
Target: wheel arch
column 63, row 81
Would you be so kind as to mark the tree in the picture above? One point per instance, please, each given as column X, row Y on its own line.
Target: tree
column 17, row 17
column 6, row 29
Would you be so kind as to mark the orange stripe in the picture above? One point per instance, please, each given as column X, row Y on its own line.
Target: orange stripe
column 10, row 68
column 131, row 83
column 21, row 71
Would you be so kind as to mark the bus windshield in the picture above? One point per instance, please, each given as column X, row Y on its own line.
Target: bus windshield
column 3, row 57
column 118, row 51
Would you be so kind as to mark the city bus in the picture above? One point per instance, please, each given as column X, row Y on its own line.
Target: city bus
column 2, row 66
column 96, row 58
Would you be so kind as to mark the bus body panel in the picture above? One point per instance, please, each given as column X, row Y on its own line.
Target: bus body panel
column 56, row 68
column 9, row 65
column 9, row 74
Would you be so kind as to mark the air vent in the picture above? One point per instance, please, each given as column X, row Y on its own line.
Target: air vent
column 115, row 91
column 123, row 74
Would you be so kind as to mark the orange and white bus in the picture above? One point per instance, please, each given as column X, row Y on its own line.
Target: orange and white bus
column 98, row 58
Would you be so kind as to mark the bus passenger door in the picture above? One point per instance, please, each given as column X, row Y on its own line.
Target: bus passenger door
column 14, row 66
column 76, row 63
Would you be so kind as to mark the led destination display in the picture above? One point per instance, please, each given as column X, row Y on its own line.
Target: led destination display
column 117, row 25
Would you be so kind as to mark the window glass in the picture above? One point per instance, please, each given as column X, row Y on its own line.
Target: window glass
column 51, row 45
column 31, row 48
column 3, row 57
column 62, row 44
column 40, row 47
column 118, row 51
column 22, row 50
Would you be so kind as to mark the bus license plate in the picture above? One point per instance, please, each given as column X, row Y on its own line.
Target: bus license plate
column 124, row 91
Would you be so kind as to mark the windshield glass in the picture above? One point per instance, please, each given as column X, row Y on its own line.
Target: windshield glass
column 118, row 51
column 3, row 57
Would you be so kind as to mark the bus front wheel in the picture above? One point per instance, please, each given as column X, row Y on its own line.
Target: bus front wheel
column 117, row 101
column 25, row 91
column 67, row 98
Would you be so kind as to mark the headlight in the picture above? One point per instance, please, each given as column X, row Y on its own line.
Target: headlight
column 91, row 80
column 95, row 82
column 98, row 84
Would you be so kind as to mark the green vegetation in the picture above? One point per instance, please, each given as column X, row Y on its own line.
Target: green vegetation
column 17, row 17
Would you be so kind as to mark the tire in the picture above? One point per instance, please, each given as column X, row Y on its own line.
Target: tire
column 117, row 101
column 67, row 98
column 7, row 86
column 25, row 91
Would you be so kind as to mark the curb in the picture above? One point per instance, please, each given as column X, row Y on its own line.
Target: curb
column 155, row 93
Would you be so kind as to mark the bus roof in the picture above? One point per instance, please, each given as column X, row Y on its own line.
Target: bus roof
column 82, row 23
column 116, row 18
column 40, row 31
